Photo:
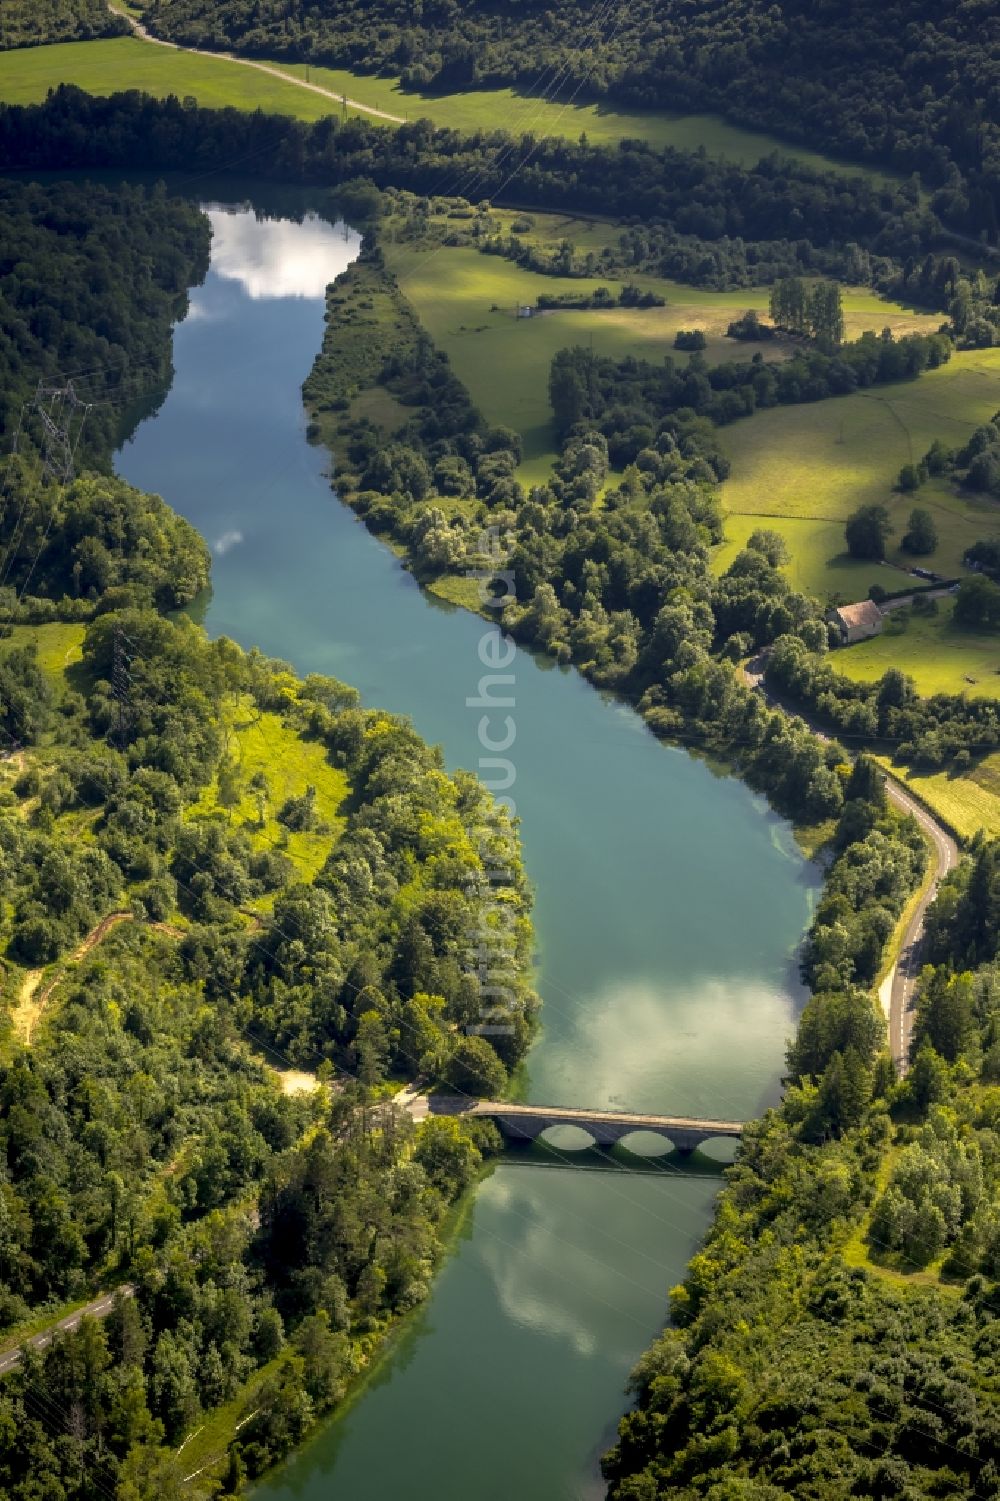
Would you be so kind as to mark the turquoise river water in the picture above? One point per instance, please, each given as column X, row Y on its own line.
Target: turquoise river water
column 670, row 903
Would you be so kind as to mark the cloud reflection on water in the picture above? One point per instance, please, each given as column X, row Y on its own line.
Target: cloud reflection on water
column 276, row 258
column 711, row 1047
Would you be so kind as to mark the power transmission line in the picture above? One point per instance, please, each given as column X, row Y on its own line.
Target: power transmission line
column 61, row 415
column 121, row 688
column 55, row 416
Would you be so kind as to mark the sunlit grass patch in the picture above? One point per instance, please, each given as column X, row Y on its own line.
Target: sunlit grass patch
column 259, row 746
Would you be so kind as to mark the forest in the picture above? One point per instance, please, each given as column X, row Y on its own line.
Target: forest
column 110, row 544
column 30, row 23
column 92, row 279
column 144, row 1123
column 911, row 86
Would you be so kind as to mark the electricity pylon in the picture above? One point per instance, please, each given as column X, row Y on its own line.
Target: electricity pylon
column 62, row 415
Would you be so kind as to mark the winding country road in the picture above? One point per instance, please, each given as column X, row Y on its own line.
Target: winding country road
column 900, row 983
column 144, row 35
column 902, row 978
column 99, row 1308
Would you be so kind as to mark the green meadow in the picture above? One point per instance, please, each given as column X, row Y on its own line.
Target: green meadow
column 941, row 656
column 59, row 645
column 803, row 469
column 967, row 803
column 800, row 470
column 527, row 114
column 262, row 745
column 130, row 63
column 467, row 302
column 127, row 63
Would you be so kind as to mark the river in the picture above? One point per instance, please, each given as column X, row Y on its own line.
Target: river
column 669, row 904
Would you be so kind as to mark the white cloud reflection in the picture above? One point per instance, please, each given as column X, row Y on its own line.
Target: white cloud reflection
column 277, row 258
column 226, row 543
column 651, row 1047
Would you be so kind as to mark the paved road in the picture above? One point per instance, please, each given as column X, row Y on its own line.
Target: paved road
column 902, row 979
column 888, row 605
column 98, row 1309
column 906, row 970
column 248, row 62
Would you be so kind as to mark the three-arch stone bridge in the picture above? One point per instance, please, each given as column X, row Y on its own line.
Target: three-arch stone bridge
column 526, row 1122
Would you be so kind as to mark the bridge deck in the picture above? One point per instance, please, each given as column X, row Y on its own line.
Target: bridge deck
column 572, row 1115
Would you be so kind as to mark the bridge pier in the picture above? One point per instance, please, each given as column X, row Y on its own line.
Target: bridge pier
column 684, row 1142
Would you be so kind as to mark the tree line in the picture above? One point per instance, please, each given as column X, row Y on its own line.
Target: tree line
column 30, row 23
column 698, row 195
column 811, row 77
column 628, row 399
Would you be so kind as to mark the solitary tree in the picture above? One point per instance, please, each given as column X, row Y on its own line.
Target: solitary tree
column 921, row 535
column 867, row 532
column 978, row 603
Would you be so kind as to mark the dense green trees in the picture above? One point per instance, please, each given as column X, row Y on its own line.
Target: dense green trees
column 28, row 23
column 965, row 922
column 91, row 279
column 878, row 864
column 100, row 539
column 142, row 1125
column 901, row 84
column 695, row 194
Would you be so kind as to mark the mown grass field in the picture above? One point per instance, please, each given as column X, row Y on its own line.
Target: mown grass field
column 966, row 803
column 521, row 113
column 939, row 655
column 467, row 303
column 803, row 469
column 127, row 63
column 130, row 63
column 262, row 743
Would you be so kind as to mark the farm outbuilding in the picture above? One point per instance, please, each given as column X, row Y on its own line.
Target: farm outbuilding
column 856, row 622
